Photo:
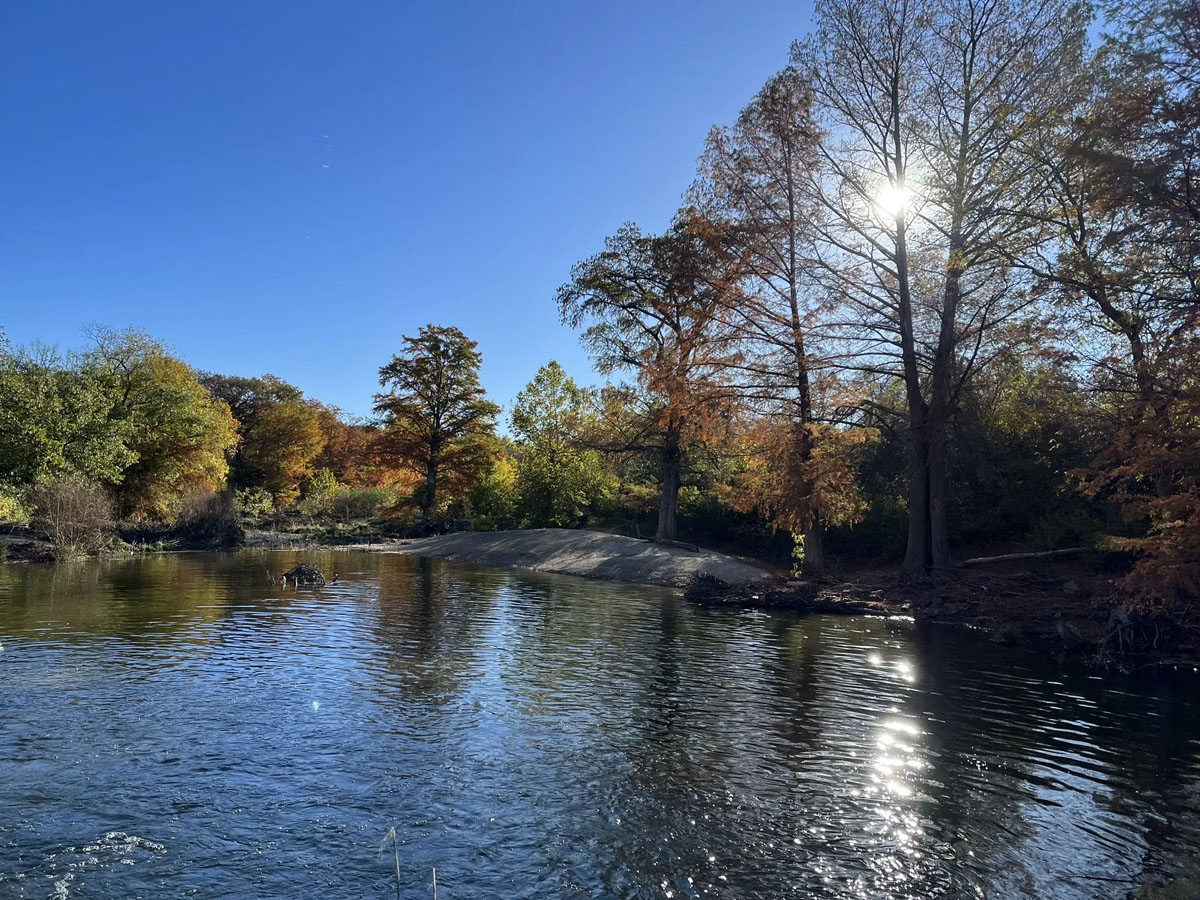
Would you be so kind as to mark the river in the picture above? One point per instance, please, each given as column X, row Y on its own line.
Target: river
column 176, row 725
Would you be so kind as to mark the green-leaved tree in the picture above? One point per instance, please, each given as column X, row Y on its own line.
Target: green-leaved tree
column 558, row 480
column 436, row 412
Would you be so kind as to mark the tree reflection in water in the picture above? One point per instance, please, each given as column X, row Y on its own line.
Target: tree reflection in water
column 534, row 735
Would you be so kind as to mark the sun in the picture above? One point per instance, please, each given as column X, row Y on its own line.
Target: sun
column 892, row 199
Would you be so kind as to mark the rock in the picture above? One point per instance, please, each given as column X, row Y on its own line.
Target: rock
column 1071, row 587
column 798, row 584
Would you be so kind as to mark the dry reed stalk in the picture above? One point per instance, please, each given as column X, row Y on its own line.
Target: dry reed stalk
column 391, row 833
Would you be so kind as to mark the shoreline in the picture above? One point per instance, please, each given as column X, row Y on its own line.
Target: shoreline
column 1082, row 615
column 585, row 554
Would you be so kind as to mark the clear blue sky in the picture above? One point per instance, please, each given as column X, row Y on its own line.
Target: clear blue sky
column 289, row 187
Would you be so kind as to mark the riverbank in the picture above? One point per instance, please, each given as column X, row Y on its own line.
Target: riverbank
column 1084, row 615
column 587, row 554
column 1081, row 613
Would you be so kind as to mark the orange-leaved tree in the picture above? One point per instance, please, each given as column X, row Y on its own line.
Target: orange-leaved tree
column 279, row 434
column 758, row 176
column 651, row 305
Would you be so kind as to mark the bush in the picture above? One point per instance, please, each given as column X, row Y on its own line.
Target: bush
column 360, row 503
column 253, row 503
column 76, row 516
column 494, row 499
column 14, row 505
column 320, row 494
column 208, row 520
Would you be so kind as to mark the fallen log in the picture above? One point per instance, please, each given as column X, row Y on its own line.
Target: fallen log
column 1045, row 554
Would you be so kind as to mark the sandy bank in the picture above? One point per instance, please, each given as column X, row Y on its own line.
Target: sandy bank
column 590, row 554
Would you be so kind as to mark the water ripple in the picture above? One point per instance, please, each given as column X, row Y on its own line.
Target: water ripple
column 177, row 725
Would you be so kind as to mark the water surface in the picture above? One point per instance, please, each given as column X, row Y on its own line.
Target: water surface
column 177, row 726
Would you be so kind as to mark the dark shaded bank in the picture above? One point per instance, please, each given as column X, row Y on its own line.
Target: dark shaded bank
column 1084, row 615
column 22, row 543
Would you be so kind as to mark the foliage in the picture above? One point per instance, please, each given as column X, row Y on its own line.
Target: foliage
column 360, row 502
column 1152, row 471
column 279, row 434
column 177, row 433
column 793, row 472
column 557, row 491
column 319, row 494
column 125, row 414
column 1123, row 262
column 279, row 449
column 923, row 190
column 436, row 414
column 348, row 449
column 651, row 305
column 77, row 516
column 1022, row 427
column 14, row 505
column 558, row 481
column 56, row 422
column 493, row 500
column 757, row 177
column 253, row 503
column 935, row 288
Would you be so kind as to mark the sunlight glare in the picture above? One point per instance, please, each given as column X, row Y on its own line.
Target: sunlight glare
column 892, row 200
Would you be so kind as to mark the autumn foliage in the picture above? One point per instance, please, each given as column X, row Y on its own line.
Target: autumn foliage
column 436, row 416
column 935, row 289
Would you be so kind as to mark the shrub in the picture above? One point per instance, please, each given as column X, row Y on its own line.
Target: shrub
column 14, row 505
column 494, row 498
column 77, row 516
column 320, row 494
column 253, row 503
column 360, row 503
column 208, row 520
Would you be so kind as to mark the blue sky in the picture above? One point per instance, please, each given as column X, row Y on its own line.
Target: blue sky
column 289, row 187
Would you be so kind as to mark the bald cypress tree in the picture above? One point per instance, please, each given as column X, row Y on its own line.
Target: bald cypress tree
column 436, row 413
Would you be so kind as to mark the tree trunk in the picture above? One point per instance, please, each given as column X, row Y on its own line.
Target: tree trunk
column 1132, row 329
column 1008, row 557
column 940, row 399
column 814, row 548
column 939, row 535
column 814, row 553
column 668, row 504
column 917, row 552
column 938, row 416
column 431, row 480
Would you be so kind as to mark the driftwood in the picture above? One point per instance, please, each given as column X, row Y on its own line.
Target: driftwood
column 303, row 574
column 1046, row 554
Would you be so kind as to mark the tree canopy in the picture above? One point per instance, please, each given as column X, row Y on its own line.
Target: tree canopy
column 279, row 434
column 435, row 412
column 559, row 479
